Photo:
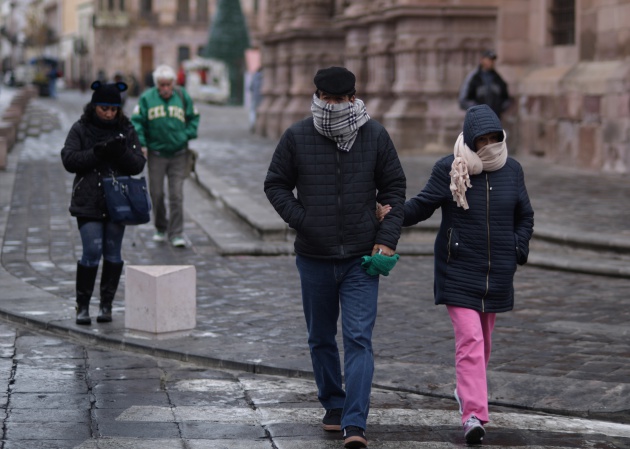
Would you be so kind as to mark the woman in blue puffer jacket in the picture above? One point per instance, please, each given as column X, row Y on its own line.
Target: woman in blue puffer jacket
column 487, row 222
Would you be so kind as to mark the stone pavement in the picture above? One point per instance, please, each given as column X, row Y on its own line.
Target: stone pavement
column 61, row 393
column 563, row 350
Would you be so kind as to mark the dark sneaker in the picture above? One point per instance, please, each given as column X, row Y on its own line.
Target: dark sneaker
column 332, row 420
column 473, row 430
column 354, row 438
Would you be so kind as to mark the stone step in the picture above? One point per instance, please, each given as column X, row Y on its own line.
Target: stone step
column 248, row 227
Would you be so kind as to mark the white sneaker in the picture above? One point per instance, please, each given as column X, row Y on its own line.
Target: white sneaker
column 458, row 401
column 159, row 237
column 473, row 430
column 178, row 242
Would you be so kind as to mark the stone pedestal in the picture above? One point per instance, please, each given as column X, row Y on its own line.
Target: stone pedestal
column 160, row 300
column 9, row 132
column 3, row 153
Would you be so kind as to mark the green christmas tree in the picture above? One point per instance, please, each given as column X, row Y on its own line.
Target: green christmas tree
column 227, row 41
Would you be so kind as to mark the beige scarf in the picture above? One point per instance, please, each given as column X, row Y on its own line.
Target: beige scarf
column 489, row 158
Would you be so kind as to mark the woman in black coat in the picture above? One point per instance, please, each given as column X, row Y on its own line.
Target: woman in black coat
column 101, row 143
column 487, row 222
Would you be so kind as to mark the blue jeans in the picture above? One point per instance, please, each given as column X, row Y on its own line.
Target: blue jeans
column 327, row 285
column 101, row 239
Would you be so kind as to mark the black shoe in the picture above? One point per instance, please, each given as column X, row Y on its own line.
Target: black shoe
column 104, row 313
column 332, row 420
column 83, row 315
column 354, row 438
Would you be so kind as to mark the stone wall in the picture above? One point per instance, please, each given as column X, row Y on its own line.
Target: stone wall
column 409, row 60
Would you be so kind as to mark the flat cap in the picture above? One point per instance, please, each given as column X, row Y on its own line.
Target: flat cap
column 335, row 81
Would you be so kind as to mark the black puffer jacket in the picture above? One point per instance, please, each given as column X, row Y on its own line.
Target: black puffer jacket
column 494, row 93
column 77, row 155
column 333, row 213
column 477, row 250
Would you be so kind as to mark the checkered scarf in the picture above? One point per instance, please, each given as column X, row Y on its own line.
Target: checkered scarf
column 339, row 122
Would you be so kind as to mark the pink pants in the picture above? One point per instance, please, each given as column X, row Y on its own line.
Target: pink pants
column 473, row 344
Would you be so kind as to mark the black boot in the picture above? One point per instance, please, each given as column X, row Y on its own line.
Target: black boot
column 86, row 277
column 109, row 285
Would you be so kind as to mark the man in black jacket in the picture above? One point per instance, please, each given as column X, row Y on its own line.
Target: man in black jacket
column 341, row 163
column 485, row 86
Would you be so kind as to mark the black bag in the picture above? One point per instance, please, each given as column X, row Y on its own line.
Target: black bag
column 127, row 199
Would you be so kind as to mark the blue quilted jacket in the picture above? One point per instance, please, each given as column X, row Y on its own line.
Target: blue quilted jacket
column 477, row 250
column 337, row 191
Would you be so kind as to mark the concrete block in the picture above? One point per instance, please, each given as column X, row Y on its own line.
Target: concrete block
column 160, row 300
column 3, row 153
column 8, row 131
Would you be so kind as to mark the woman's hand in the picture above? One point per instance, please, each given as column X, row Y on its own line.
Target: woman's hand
column 382, row 210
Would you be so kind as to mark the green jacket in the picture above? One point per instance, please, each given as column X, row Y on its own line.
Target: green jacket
column 165, row 126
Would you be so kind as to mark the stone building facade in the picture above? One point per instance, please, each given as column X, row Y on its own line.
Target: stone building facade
column 134, row 36
column 566, row 63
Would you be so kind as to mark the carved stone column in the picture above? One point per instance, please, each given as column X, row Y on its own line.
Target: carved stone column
column 356, row 58
column 381, row 71
column 283, row 15
column 311, row 14
column 268, row 88
column 357, row 8
column 425, row 116
column 278, row 92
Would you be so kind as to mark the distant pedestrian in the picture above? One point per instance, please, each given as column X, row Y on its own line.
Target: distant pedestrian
column 484, row 85
column 166, row 119
column 101, row 143
column 181, row 76
column 487, row 222
column 255, row 89
column 52, row 75
column 340, row 162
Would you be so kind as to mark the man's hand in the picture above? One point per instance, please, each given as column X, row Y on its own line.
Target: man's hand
column 382, row 249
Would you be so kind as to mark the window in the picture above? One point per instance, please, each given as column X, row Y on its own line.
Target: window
column 562, row 22
column 183, row 53
column 202, row 11
column 146, row 7
column 183, row 11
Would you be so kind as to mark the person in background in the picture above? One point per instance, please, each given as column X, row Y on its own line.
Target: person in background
column 255, row 89
column 52, row 75
column 101, row 143
column 340, row 162
column 484, row 85
column 181, row 76
column 487, row 223
column 166, row 119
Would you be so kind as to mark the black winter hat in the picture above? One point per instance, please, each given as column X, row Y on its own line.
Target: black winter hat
column 107, row 94
column 335, row 81
column 480, row 120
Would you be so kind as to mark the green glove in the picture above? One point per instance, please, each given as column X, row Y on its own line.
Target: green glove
column 379, row 264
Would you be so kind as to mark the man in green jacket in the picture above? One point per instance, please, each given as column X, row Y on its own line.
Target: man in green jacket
column 165, row 119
